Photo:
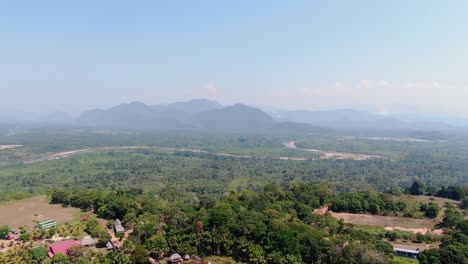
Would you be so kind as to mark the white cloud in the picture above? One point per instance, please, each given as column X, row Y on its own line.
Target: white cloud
column 210, row 90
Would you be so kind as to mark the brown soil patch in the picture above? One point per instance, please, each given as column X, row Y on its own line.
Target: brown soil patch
column 386, row 221
column 342, row 155
column 25, row 212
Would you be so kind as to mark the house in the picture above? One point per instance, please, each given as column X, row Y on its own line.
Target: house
column 110, row 245
column 87, row 241
column 46, row 224
column 84, row 218
column 408, row 253
column 186, row 256
column 118, row 226
column 176, row 258
column 61, row 247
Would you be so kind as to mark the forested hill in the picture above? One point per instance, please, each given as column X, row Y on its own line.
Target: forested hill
column 195, row 115
column 270, row 226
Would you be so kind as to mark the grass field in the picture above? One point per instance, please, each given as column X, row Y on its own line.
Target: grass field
column 413, row 224
column 402, row 260
column 25, row 212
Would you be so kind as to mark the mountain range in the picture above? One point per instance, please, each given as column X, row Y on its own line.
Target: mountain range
column 209, row 115
column 198, row 114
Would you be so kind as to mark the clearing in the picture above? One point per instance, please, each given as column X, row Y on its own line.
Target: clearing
column 9, row 146
column 325, row 154
column 415, row 224
column 25, row 212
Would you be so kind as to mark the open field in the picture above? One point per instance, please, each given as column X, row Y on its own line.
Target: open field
column 325, row 154
column 429, row 199
column 343, row 155
column 386, row 221
column 24, row 212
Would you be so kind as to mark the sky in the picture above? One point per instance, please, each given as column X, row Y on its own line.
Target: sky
column 385, row 56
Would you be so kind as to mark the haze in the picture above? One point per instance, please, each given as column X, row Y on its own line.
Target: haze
column 392, row 57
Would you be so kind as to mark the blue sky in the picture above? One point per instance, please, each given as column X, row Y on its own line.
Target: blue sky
column 385, row 56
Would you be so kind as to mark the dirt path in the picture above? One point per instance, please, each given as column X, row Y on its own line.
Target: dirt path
column 115, row 240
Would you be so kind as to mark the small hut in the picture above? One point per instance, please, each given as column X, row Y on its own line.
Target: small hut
column 87, row 241
column 118, row 226
column 186, row 256
column 110, row 245
column 175, row 258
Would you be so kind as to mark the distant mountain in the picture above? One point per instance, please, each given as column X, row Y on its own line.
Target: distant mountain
column 192, row 106
column 353, row 120
column 199, row 115
column 209, row 115
column 135, row 114
column 235, row 118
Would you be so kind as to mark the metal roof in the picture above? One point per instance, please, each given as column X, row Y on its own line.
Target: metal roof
column 406, row 250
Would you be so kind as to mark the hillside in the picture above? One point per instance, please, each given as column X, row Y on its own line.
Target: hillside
column 194, row 115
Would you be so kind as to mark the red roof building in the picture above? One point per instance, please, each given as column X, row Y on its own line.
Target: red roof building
column 61, row 247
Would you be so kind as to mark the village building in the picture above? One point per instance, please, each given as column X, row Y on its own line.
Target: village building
column 118, row 228
column 46, row 224
column 407, row 253
column 61, row 247
column 176, row 258
column 110, row 245
column 87, row 241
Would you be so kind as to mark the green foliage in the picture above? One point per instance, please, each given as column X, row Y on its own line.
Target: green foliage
column 155, row 169
column 4, row 231
column 451, row 192
column 38, row 254
column 452, row 217
column 430, row 210
column 464, row 203
column 61, row 259
column 281, row 229
column 366, row 202
column 25, row 237
column 430, row 256
column 417, row 188
column 156, row 245
column 140, row 255
column 255, row 209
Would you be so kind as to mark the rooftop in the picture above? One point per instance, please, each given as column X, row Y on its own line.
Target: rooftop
column 406, row 250
column 62, row 246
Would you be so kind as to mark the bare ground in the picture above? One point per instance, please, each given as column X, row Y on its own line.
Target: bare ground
column 414, row 225
column 334, row 154
column 25, row 212
column 9, row 146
